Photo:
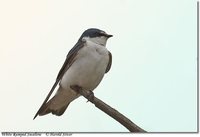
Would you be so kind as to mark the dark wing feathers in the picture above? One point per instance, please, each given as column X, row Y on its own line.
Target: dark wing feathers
column 68, row 62
column 109, row 63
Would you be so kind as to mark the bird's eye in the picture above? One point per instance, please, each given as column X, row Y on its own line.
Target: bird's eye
column 102, row 32
column 98, row 34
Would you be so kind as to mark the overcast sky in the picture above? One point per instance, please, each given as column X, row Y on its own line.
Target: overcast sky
column 152, row 80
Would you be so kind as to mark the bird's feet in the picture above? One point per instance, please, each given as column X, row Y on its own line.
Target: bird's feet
column 90, row 96
column 87, row 94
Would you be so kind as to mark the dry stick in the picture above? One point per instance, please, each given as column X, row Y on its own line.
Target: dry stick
column 109, row 110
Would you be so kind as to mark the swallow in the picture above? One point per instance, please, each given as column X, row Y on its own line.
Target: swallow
column 85, row 66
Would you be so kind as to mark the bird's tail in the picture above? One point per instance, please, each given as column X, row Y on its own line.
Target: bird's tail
column 59, row 103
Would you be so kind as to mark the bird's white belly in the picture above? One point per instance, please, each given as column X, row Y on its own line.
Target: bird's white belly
column 88, row 69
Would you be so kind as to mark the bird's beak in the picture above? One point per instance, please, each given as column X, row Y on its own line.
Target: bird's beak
column 108, row 36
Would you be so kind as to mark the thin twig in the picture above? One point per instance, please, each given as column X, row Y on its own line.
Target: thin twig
column 109, row 110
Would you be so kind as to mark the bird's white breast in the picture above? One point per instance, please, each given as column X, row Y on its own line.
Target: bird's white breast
column 89, row 67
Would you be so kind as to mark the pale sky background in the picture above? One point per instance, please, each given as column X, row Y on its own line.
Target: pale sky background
column 153, row 76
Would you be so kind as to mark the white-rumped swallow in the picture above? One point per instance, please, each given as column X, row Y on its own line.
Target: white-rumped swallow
column 85, row 66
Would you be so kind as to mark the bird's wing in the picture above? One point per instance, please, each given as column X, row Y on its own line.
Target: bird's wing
column 109, row 63
column 68, row 62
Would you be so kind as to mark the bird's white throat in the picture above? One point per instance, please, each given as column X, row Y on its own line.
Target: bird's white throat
column 97, row 40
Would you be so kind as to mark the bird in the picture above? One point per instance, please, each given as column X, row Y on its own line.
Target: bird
column 85, row 66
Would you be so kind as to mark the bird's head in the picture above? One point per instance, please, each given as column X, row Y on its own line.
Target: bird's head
column 95, row 35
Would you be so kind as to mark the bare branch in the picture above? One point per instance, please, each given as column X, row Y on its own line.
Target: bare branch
column 109, row 110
